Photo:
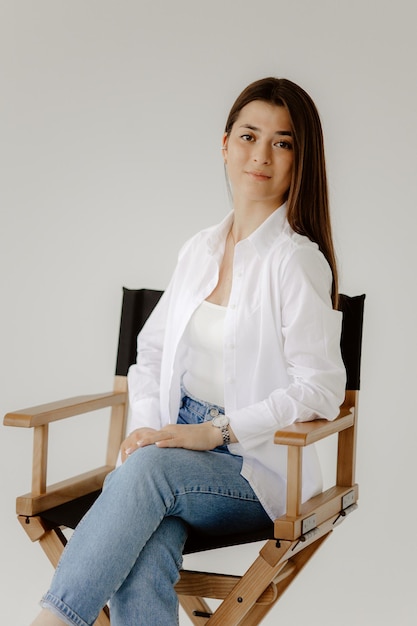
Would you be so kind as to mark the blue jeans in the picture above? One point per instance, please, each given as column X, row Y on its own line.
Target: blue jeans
column 127, row 550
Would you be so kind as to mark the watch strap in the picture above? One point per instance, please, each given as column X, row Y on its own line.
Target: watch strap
column 226, row 435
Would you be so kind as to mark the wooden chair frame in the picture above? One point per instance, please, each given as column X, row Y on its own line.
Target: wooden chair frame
column 296, row 537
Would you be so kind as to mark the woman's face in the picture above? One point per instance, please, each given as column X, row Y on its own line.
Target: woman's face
column 259, row 155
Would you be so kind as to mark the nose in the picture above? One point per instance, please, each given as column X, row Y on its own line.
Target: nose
column 262, row 153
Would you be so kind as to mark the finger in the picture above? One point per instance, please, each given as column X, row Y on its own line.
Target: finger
column 150, row 439
column 167, row 441
column 143, row 439
column 131, row 446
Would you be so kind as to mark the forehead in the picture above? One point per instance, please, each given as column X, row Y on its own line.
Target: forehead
column 264, row 115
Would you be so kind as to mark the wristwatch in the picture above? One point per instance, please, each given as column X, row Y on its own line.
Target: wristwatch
column 222, row 422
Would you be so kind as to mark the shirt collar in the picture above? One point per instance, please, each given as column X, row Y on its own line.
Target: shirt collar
column 268, row 232
column 262, row 238
column 218, row 234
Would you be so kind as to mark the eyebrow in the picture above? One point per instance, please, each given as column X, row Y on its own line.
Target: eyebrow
column 281, row 133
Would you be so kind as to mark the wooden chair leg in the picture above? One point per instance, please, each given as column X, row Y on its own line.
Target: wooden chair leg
column 53, row 542
column 247, row 591
column 295, row 565
column 104, row 618
column 247, row 600
column 193, row 605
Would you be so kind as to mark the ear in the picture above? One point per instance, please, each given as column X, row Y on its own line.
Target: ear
column 224, row 146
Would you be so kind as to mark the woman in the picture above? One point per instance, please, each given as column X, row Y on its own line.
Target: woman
column 244, row 341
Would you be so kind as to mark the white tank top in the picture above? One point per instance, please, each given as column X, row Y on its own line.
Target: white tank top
column 204, row 375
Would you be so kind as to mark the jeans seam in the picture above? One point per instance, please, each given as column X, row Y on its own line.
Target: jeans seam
column 210, row 492
column 65, row 611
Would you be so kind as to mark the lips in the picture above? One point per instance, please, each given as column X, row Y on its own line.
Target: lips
column 258, row 175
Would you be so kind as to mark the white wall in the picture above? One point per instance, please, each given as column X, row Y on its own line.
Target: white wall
column 111, row 115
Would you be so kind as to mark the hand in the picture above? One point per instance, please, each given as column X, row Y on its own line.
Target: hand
column 190, row 436
column 137, row 438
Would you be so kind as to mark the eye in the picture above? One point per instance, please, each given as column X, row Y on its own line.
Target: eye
column 286, row 145
column 247, row 137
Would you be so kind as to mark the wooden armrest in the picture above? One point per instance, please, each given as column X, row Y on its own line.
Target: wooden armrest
column 47, row 413
column 306, row 433
column 39, row 417
column 326, row 505
column 301, row 434
column 62, row 492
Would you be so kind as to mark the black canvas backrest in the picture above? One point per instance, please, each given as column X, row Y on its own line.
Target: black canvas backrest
column 351, row 340
column 138, row 304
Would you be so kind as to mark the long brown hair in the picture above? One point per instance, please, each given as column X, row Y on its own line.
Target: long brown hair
column 307, row 203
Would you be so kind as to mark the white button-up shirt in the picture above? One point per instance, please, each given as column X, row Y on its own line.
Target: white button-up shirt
column 282, row 360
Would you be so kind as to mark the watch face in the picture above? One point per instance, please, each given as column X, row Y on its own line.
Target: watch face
column 220, row 420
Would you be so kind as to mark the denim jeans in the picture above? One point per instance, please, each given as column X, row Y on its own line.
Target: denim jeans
column 127, row 550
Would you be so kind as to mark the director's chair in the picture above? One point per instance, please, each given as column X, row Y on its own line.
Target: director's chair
column 291, row 540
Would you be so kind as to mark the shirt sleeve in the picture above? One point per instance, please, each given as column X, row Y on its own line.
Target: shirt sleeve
column 311, row 331
column 144, row 377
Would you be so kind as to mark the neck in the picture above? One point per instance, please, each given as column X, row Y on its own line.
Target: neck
column 247, row 219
